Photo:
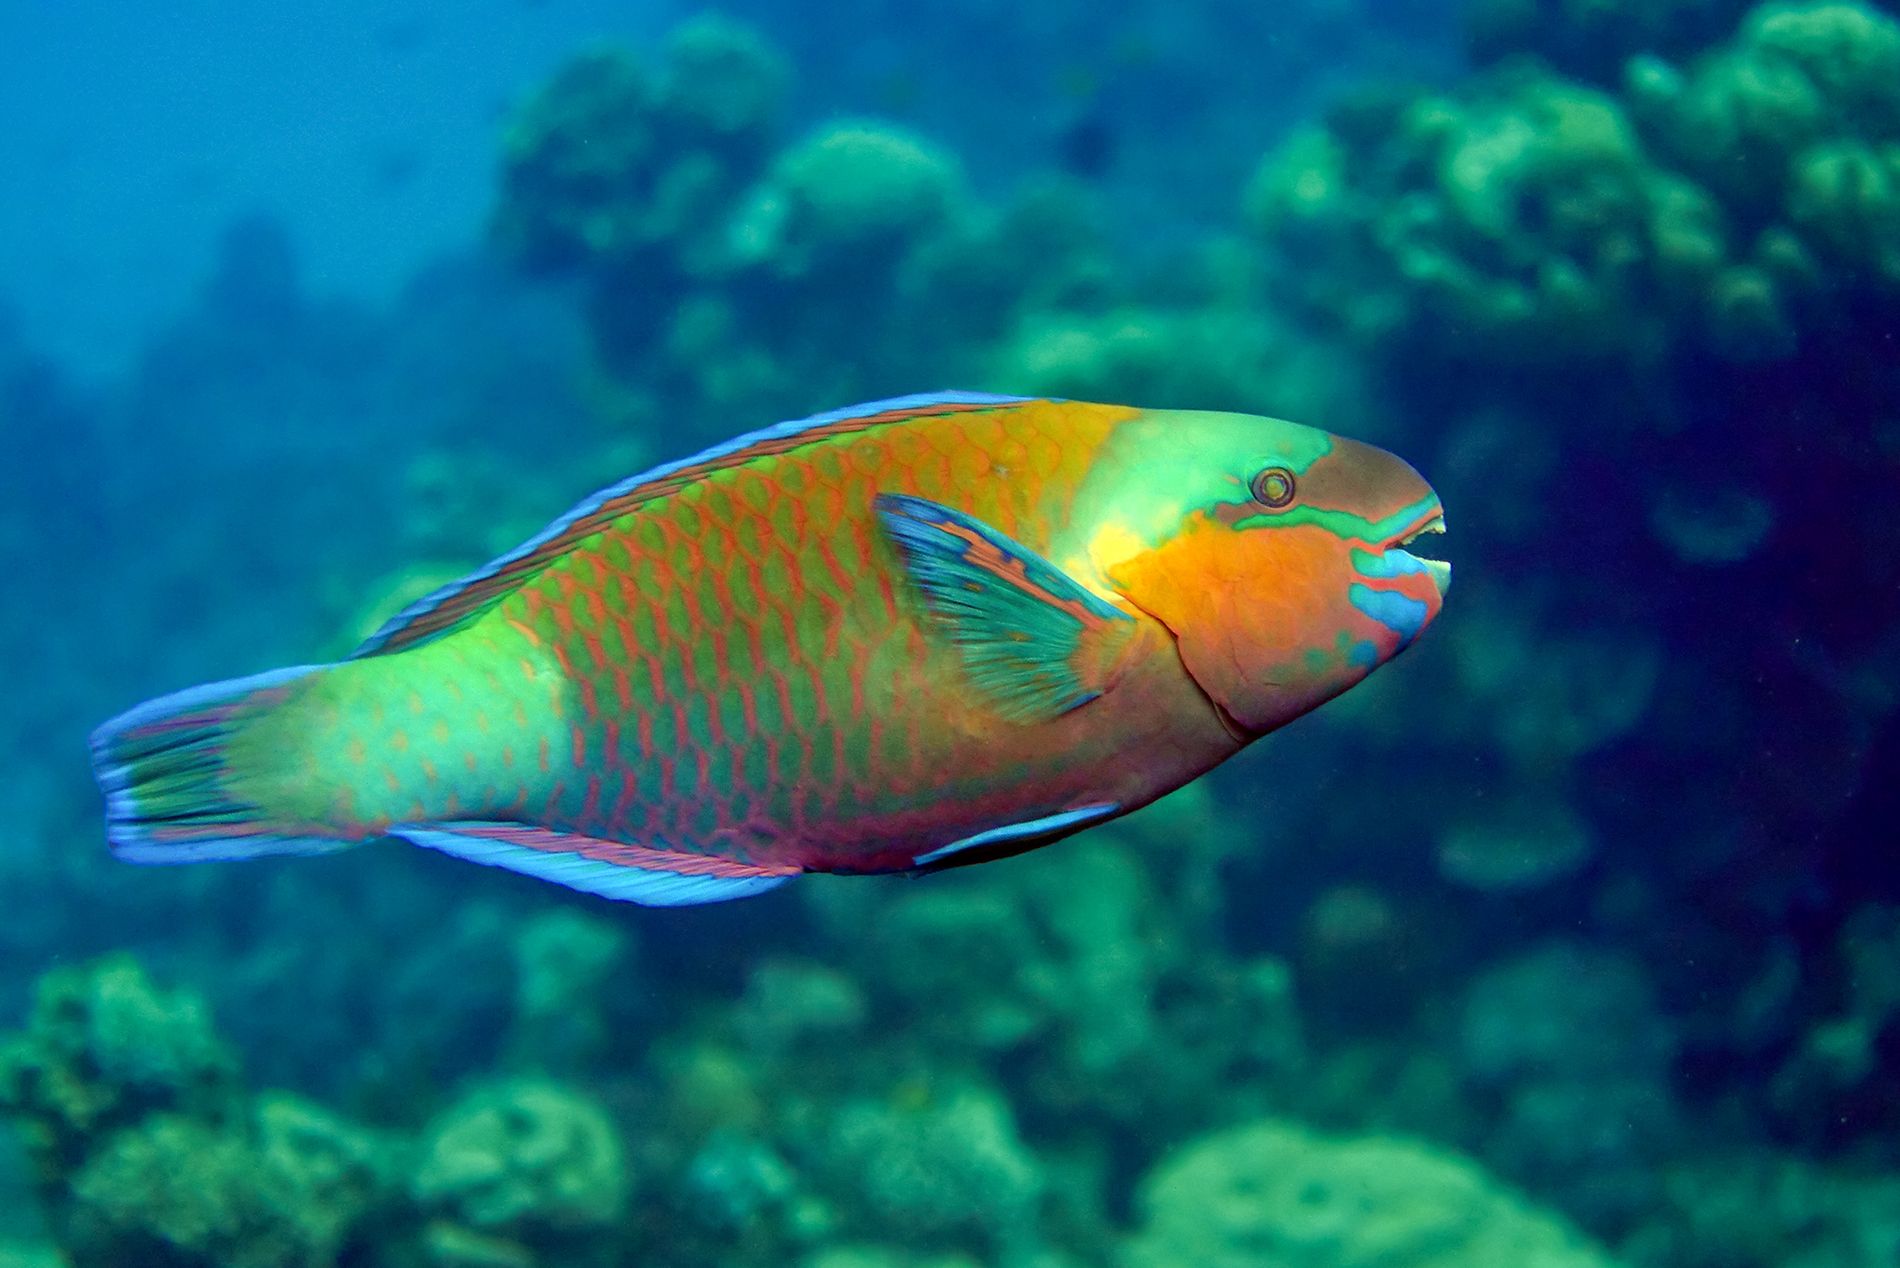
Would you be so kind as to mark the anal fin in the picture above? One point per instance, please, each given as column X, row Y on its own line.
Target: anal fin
column 610, row 869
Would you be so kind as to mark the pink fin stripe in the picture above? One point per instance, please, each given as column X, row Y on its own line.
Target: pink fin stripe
column 183, row 722
column 162, row 833
column 204, row 719
column 618, row 853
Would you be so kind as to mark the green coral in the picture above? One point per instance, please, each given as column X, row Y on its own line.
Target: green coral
column 1755, row 1207
column 613, row 162
column 341, row 1174
column 1216, row 356
column 150, row 1152
column 1592, row 38
column 724, row 276
column 103, row 1048
column 1839, row 1062
column 521, row 1165
column 947, row 1168
column 1275, row 1194
column 566, row 966
column 722, row 83
column 1090, row 971
column 1796, row 75
column 1732, row 208
column 176, row 1191
column 1845, row 200
column 1521, row 222
column 852, row 188
column 1796, row 127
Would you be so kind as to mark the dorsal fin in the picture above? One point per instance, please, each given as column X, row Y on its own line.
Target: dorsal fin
column 462, row 600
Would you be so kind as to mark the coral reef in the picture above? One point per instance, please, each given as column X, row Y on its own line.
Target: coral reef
column 724, row 275
column 1273, row 1193
column 292, row 1190
column 149, row 1151
column 1593, row 38
column 1519, row 222
column 1592, row 891
column 1641, row 320
column 614, row 162
column 1571, row 1042
column 566, row 964
column 1759, row 1208
column 939, row 1172
column 517, row 1167
column 103, row 1049
column 1736, row 208
column 1108, row 997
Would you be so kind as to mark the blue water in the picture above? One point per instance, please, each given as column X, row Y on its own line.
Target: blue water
column 1569, row 937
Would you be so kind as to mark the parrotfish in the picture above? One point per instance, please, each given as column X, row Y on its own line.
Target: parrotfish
column 901, row 637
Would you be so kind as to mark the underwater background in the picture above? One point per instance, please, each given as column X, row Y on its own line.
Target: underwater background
column 1570, row 939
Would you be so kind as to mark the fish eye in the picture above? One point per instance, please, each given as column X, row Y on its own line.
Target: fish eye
column 1273, row 488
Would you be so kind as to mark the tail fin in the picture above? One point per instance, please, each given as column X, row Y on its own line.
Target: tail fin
column 163, row 769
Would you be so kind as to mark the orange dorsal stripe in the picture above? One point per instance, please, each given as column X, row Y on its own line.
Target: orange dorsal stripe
column 462, row 600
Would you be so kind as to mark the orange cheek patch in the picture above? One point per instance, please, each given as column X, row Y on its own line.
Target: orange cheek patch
column 1258, row 586
column 1244, row 606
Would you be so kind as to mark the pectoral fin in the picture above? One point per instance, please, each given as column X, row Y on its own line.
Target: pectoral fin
column 1015, row 838
column 1036, row 642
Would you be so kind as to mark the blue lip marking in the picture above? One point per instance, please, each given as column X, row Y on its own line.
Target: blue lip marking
column 1399, row 613
column 1391, row 563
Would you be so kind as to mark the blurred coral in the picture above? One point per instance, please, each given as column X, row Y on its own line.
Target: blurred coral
column 568, row 967
column 1274, row 1193
column 940, row 1171
column 1571, row 1041
column 103, row 1049
column 525, row 1168
column 174, row 1190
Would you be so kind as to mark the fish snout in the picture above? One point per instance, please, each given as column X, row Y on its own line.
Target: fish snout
column 1411, row 551
column 1398, row 586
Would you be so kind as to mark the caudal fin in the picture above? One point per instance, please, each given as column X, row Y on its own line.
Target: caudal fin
column 163, row 768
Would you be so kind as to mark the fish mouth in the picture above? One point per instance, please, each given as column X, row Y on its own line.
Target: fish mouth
column 1433, row 525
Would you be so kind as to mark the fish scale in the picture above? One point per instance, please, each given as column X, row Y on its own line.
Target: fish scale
column 712, row 703
column 915, row 633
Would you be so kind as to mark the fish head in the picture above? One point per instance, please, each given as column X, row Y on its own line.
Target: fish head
column 1276, row 554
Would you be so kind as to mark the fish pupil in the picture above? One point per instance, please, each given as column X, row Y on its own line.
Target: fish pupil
column 1273, row 488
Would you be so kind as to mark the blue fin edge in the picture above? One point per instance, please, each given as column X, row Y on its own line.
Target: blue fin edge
column 1029, row 830
column 649, row 888
column 588, row 505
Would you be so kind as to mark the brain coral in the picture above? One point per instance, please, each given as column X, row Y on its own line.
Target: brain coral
column 1275, row 1194
column 522, row 1159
